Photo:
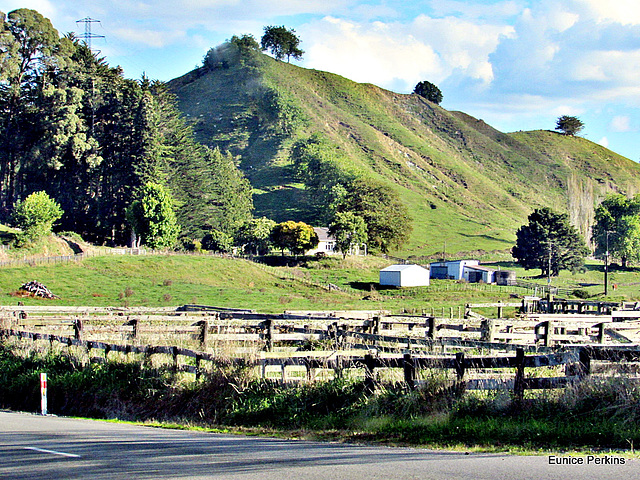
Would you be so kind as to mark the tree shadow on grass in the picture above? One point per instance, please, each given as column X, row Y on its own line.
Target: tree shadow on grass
column 370, row 286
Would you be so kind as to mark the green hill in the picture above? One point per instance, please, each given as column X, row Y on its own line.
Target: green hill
column 467, row 185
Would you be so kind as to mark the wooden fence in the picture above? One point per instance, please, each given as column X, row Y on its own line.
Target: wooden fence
column 205, row 327
column 578, row 363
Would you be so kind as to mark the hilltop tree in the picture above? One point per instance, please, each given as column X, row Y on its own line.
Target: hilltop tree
column 429, row 91
column 549, row 241
column 569, row 125
column 297, row 237
column 281, row 42
column 617, row 228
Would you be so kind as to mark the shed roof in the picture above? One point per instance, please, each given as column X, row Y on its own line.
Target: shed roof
column 481, row 267
column 400, row 268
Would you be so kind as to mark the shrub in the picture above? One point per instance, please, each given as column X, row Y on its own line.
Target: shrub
column 217, row 241
column 35, row 215
column 581, row 293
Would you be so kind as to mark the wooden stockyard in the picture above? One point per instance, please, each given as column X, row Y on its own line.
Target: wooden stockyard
column 474, row 352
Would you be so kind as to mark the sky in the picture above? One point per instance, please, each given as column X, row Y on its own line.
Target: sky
column 516, row 64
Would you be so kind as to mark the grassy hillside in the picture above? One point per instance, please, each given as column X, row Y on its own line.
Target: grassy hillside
column 467, row 185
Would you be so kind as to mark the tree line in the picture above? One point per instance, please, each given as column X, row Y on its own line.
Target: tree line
column 549, row 242
column 72, row 126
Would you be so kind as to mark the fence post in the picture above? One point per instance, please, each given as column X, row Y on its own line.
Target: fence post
column 584, row 366
column 432, row 332
column 549, row 331
column 268, row 339
column 460, row 370
column 601, row 333
column 198, row 362
column 174, row 354
column 77, row 329
column 369, row 367
column 518, row 384
column 376, row 325
column 488, row 328
column 409, row 368
column 204, row 334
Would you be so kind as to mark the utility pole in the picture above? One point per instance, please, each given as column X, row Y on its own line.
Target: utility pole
column 606, row 263
column 87, row 35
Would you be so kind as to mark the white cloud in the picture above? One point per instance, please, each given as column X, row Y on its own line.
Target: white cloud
column 397, row 55
column 625, row 12
column 621, row 123
column 44, row 7
column 150, row 38
column 604, row 141
column 369, row 53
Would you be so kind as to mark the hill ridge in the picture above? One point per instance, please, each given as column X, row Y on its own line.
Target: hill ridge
column 465, row 183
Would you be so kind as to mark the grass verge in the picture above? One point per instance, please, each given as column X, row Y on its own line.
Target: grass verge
column 596, row 415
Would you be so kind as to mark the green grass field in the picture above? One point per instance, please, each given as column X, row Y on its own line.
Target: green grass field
column 167, row 280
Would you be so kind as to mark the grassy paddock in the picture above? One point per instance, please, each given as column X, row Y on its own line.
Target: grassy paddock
column 594, row 415
column 180, row 279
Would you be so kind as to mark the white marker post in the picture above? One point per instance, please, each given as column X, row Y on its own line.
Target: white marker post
column 43, row 393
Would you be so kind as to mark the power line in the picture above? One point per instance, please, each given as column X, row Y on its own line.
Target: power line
column 87, row 35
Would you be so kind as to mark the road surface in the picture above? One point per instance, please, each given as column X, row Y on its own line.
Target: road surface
column 33, row 447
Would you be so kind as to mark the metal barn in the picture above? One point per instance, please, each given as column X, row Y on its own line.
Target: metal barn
column 404, row 276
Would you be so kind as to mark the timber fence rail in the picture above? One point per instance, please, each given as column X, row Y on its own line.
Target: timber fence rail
column 189, row 324
column 578, row 363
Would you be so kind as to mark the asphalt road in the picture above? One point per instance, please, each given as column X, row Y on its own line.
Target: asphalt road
column 34, row 447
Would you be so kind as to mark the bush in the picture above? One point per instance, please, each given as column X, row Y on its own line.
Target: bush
column 581, row 293
column 217, row 241
column 35, row 216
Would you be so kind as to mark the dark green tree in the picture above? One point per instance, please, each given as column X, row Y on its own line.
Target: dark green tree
column 549, row 242
column 152, row 217
column 236, row 50
column 316, row 163
column 297, row 237
column 281, row 42
column 617, row 228
column 30, row 51
column 349, row 231
column 429, row 91
column 254, row 236
column 217, row 241
column 387, row 218
column 569, row 125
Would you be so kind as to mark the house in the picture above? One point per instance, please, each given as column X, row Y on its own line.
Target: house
column 327, row 244
column 451, row 270
column 404, row 276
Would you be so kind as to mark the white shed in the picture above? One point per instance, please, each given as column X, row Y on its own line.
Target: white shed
column 453, row 269
column 404, row 276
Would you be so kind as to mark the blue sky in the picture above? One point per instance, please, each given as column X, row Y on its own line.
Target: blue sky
column 516, row 64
